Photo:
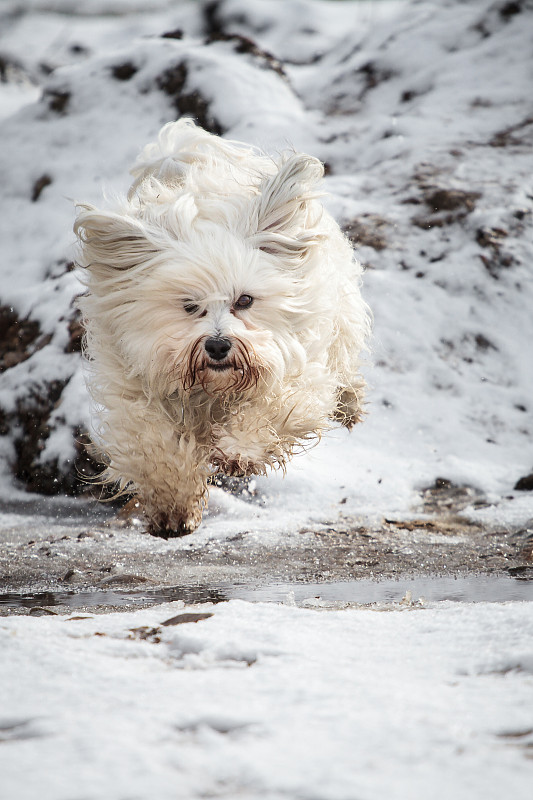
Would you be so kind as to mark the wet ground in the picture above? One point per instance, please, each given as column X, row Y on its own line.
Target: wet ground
column 60, row 555
column 408, row 590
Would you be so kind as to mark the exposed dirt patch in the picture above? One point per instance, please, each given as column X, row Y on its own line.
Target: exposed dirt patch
column 31, row 420
column 447, row 206
column 19, row 338
column 39, row 185
column 373, row 74
column 57, row 100
column 496, row 258
column 247, row 46
column 451, row 199
column 177, row 33
column 75, row 333
column 519, row 134
column 187, row 103
column 124, row 71
column 525, row 484
column 32, row 415
column 368, row 230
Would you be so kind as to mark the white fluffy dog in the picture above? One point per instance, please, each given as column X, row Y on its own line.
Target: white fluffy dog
column 224, row 321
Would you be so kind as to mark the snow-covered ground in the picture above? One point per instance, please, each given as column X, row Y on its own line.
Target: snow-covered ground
column 270, row 701
column 423, row 112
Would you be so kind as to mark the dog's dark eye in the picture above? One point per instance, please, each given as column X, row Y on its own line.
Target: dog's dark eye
column 244, row 301
column 190, row 308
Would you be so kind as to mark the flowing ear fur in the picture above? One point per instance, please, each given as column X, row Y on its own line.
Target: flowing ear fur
column 285, row 217
column 111, row 241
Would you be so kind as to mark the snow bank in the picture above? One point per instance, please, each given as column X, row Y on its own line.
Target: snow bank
column 421, row 112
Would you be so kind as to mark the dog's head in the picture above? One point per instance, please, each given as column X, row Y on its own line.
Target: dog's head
column 203, row 280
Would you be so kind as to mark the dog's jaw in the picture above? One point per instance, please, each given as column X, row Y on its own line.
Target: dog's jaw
column 218, row 367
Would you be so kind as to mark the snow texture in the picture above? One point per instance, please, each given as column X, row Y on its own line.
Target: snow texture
column 271, row 702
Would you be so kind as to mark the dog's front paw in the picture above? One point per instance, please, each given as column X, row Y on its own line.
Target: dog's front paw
column 349, row 420
column 181, row 529
column 349, row 410
column 172, row 526
column 236, row 466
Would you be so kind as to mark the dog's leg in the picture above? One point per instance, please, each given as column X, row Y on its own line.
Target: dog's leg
column 238, row 452
column 174, row 485
column 266, row 434
column 164, row 467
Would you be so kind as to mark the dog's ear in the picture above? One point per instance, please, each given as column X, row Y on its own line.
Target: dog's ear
column 284, row 217
column 110, row 240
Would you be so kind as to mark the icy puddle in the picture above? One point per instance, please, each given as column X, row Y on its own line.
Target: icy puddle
column 465, row 589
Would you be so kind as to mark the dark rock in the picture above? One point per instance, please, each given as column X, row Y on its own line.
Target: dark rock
column 451, row 199
column 40, row 184
column 446, row 496
column 175, row 34
column 41, row 612
column 510, row 8
column 125, row 71
column 525, row 484
column 482, row 343
column 79, row 49
column 57, row 100
column 181, row 619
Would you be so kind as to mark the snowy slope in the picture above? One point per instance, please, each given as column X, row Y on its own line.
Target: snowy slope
column 422, row 112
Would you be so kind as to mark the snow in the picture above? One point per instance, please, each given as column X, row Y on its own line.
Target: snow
column 402, row 100
column 270, row 701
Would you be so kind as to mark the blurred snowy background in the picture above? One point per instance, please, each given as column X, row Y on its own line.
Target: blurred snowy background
column 423, row 114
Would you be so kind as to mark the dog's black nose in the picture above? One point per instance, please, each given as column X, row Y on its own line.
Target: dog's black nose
column 217, row 348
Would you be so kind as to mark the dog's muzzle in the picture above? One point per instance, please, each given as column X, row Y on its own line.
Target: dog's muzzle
column 220, row 365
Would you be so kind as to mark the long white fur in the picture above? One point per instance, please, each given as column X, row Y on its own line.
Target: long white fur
column 206, row 221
